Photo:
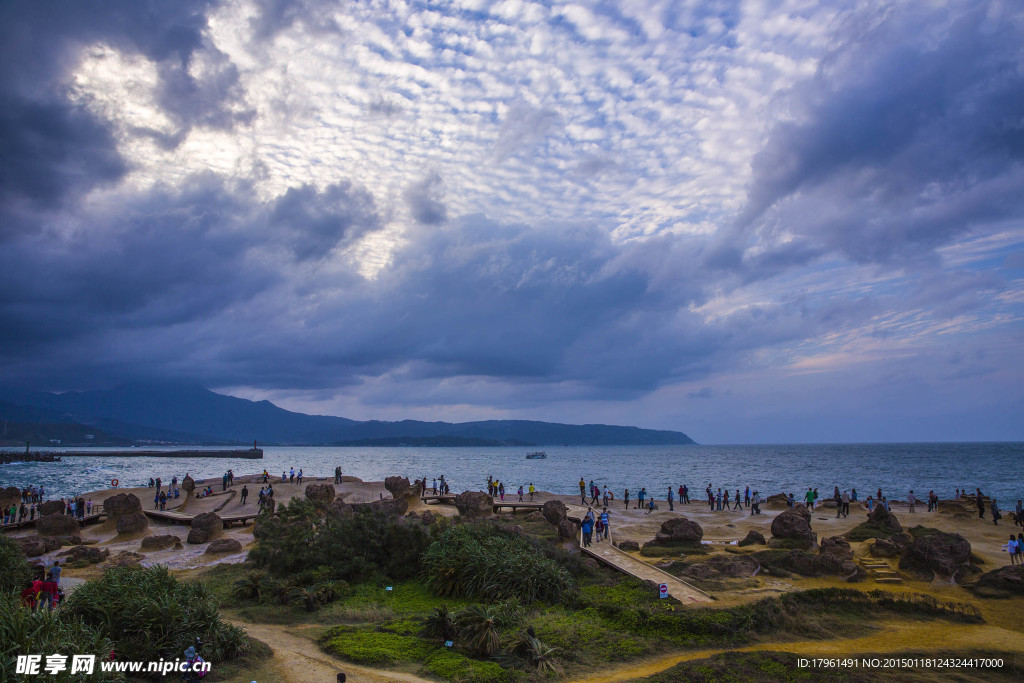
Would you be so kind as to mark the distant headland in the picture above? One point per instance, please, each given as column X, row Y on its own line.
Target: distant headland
column 155, row 414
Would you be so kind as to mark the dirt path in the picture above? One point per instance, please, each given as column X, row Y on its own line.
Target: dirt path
column 888, row 639
column 297, row 659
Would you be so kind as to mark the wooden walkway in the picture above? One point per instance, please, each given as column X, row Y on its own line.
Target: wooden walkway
column 604, row 551
column 517, row 506
column 182, row 518
column 94, row 518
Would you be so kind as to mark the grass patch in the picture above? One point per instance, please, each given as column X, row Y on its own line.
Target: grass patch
column 673, row 549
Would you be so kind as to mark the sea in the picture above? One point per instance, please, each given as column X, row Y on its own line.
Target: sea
column 895, row 468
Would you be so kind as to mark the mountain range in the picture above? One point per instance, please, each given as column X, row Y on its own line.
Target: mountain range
column 191, row 414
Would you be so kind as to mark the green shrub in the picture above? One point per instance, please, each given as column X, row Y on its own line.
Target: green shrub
column 352, row 546
column 485, row 561
column 452, row 666
column 14, row 569
column 150, row 614
column 23, row 631
column 375, row 648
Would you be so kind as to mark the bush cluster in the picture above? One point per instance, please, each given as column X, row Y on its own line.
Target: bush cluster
column 488, row 562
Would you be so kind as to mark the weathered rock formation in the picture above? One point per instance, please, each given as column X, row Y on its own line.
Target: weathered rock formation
column 188, row 484
column 400, row 488
column 568, row 529
column 126, row 510
column 474, row 504
column 723, row 566
column 791, row 528
column 224, row 545
column 56, row 525
column 837, row 547
column 884, row 519
column 125, row 558
column 628, row 545
column 51, row 507
column 554, row 511
column 1005, row 582
column 679, row 530
column 162, row 542
column 884, row 548
column 937, row 555
column 84, row 554
column 753, row 538
column 34, row 546
column 321, row 494
column 206, row 527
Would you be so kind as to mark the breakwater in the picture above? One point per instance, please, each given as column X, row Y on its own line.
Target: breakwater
column 248, row 453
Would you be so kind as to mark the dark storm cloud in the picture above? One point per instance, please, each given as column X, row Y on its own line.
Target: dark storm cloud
column 425, row 200
column 910, row 134
column 312, row 223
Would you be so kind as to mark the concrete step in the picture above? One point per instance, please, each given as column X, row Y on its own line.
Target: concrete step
column 888, row 579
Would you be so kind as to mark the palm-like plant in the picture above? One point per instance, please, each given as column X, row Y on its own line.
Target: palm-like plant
column 250, row 586
column 527, row 648
column 479, row 630
column 441, row 624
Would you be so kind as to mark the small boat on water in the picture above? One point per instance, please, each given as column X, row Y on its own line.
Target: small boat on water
column 536, row 455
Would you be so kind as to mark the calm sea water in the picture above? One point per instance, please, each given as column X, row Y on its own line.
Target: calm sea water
column 995, row 467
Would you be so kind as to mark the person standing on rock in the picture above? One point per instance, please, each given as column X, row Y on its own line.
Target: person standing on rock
column 1019, row 519
column 532, row 491
column 746, row 496
column 737, row 505
column 809, row 498
column 671, row 497
column 625, row 498
column 1011, row 549
column 640, row 497
column 980, row 503
column 755, row 504
column 711, row 497
column 245, row 493
column 839, row 502
column 995, row 512
column 300, row 476
column 845, row 499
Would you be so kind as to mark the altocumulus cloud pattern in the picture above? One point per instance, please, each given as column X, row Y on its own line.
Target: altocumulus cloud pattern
column 752, row 220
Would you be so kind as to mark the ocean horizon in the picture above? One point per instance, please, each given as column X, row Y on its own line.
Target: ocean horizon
column 896, row 467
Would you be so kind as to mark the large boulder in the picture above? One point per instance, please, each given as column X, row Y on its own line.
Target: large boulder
column 792, row 528
column 628, row 545
column 57, row 525
column 474, row 504
column 678, row 530
column 399, row 487
column 837, row 547
column 852, row 572
column 880, row 517
column 902, row 540
column 84, row 554
column 224, row 545
column 959, row 507
column 321, row 494
column 34, row 546
column 723, row 566
column 1005, row 582
column 162, row 542
column 206, row 527
column 799, row 562
column 132, row 522
column 51, row 507
column 9, row 496
column 125, row 558
column 554, row 511
column 428, row 518
column 937, row 555
column 188, row 484
column 778, row 500
column 122, row 504
column 567, row 529
column 753, row 538
column 884, row 548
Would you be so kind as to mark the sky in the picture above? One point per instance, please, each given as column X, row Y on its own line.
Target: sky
column 748, row 220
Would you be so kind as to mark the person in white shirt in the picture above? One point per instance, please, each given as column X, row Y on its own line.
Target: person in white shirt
column 1011, row 549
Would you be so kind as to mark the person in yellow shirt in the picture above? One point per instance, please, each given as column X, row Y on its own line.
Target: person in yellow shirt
column 532, row 490
column 583, row 491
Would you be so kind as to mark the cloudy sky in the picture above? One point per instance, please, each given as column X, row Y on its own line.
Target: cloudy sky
column 749, row 220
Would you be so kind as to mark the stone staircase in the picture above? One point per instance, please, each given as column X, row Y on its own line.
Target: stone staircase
column 879, row 571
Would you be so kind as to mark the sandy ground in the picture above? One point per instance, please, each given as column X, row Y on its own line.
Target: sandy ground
column 298, row 659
